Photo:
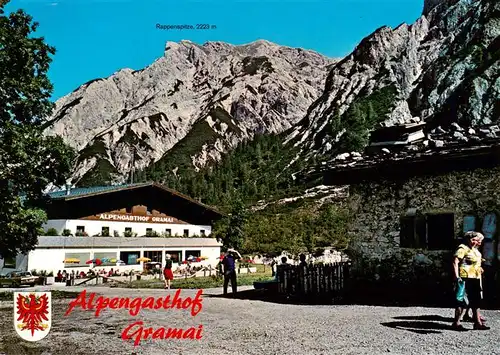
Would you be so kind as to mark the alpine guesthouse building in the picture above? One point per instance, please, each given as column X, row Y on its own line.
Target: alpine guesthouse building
column 121, row 225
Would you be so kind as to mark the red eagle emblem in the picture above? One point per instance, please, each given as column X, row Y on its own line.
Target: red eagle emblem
column 32, row 311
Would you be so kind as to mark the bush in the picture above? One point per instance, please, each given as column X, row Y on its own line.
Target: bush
column 67, row 233
column 51, row 232
column 153, row 234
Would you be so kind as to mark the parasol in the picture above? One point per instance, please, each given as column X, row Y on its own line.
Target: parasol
column 71, row 261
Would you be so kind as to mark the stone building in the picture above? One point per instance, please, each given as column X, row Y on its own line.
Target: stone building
column 408, row 211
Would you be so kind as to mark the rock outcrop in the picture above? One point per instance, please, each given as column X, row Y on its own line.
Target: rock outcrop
column 444, row 68
column 218, row 93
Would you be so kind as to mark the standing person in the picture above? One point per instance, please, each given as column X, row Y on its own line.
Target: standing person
column 467, row 269
column 167, row 272
column 229, row 264
column 302, row 259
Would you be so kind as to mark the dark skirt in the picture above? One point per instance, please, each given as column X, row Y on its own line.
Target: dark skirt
column 473, row 293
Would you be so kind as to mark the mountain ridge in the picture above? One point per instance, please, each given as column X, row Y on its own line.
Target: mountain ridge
column 198, row 102
column 424, row 65
column 258, row 87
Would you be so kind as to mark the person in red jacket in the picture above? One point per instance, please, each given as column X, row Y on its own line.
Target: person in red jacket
column 167, row 271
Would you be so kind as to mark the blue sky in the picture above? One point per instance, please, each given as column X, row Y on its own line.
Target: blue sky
column 95, row 38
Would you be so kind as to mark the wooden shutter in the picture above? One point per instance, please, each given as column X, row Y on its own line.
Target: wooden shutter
column 407, row 232
column 421, row 232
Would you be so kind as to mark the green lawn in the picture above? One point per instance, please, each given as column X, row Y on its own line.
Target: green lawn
column 202, row 282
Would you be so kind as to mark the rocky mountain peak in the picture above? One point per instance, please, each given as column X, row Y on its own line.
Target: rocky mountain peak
column 444, row 68
column 201, row 99
column 429, row 5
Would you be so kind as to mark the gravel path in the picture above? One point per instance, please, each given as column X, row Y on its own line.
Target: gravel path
column 233, row 326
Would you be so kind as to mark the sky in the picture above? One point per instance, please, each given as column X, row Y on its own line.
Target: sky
column 96, row 38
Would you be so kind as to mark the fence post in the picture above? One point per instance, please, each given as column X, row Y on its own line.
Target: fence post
column 318, row 282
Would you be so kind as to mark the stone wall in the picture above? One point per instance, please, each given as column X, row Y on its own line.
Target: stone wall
column 377, row 208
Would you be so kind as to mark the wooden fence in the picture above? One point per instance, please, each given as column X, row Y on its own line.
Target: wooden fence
column 324, row 281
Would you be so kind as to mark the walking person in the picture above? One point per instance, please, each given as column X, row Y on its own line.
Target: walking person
column 467, row 270
column 167, row 271
column 229, row 264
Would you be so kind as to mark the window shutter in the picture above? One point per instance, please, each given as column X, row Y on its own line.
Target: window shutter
column 407, row 233
column 421, row 232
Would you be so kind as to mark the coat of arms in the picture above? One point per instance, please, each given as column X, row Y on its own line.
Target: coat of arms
column 32, row 314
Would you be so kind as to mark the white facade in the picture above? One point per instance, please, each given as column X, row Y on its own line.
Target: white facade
column 125, row 234
column 94, row 227
column 53, row 259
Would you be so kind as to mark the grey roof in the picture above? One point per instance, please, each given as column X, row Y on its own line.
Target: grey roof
column 77, row 193
column 114, row 242
column 80, row 191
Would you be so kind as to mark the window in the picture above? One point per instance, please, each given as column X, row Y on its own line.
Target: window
column 80, row 231
column 130, row 257
column 128, row 233
column 202, row 232
column 186, row 232
column 154, row 255
column 105, row 231
column 149, row 232
column 9, row 263
column 175, row 255
column 168, row 232
column 193, row 253
column 433, row 231
column 440, row 231
column 107, row 259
